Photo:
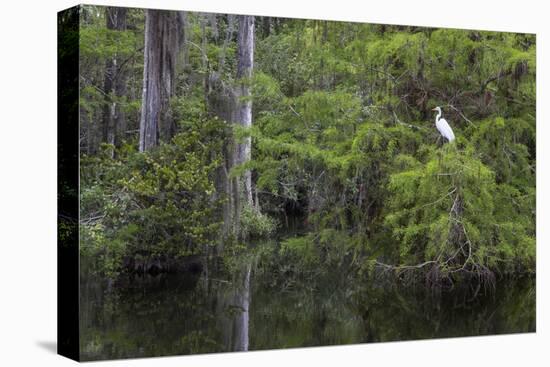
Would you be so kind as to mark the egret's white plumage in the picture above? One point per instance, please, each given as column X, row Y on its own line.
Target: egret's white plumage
column 443, row 126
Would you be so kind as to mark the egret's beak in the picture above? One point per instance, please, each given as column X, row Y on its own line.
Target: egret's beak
column 434, row 109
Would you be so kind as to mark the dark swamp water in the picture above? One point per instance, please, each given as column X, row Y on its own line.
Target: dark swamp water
column 246, row 309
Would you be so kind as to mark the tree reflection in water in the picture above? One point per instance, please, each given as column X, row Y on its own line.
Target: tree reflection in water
column 239, row 310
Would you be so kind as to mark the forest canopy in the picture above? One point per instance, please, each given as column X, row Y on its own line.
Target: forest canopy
column 203, row 133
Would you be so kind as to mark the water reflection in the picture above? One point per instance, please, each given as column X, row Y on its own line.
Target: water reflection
column 236, row 321
column 243, row 310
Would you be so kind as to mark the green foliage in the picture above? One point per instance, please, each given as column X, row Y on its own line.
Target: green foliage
column 343, row 143
column 347, row 140
column 452, row 211
column 352, row 185
column 99, row 46
column 158, row 202
column 302, row 251
column 255, row 224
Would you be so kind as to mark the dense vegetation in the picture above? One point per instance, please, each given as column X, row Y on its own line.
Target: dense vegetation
column 345, row 157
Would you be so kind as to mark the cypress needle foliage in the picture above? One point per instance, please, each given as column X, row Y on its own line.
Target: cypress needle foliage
column 448, row 212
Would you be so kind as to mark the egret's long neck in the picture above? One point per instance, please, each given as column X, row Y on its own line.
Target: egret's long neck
column 438, row 116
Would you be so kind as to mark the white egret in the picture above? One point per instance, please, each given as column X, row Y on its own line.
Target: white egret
column 443, row 126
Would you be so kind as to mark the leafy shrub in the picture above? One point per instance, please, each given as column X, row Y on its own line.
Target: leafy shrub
column 255, row 224
column 157, row 202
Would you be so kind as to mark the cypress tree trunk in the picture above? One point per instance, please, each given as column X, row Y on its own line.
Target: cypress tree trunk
column 232, row 104
column 243, row 112
column 162, row 34
column 219, row 101
column 114, row 83
column 186, row 29
column 120, row 117
column 228, row 35
column 266, row 26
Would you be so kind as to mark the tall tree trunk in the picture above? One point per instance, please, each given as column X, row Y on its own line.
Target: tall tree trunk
column 266, row 26
column 120, row 117
column 243, row 112
column 232, row 104
column 221, row 102
column 204, row 58
column 212, row 18
column 185, row 38
column 228, row 35
column 114, row 83
column 162, row 42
